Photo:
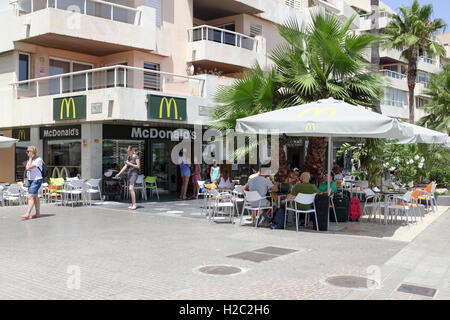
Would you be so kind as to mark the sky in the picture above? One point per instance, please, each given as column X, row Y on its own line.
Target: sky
column 441, row 8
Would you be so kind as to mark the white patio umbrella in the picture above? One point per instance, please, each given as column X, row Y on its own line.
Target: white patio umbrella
column 326, row 118
column 424, row 135
column 6, row 142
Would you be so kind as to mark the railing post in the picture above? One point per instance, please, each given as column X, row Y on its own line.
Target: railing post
column 37, row 88
column 125, row 77
column 222, row 37
column 56, row 4
column 85, row 6
column 87, row 81
column 32, row 6
column 60, row 85
column 47, row 4
column 202, row 34
column 115, row 77
column 163, row 86
column 112, row 12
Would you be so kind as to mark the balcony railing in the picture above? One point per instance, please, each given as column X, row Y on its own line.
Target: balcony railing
column 110, row 77
column 427, row 60
column 97, row 8
column 231, row 38
column 393, row 74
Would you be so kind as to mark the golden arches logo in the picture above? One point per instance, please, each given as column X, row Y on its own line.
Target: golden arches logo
column 310, row 127
column 168, row 103
column 319, row 111
column 22, row 135
column 67, row 103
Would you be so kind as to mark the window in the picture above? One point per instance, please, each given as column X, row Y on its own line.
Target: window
column 24, row 67
column 70, row 83
column 228, row 38
column 424, row 78
column 255, row 30
column 157, row 5
column 152, row 81
column 421, row 102
column 394, row 97
column 294, row 4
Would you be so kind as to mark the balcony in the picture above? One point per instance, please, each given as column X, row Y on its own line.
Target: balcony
column 112, row 93
column 89, row 26
column 229, row 51
column 395, row 80
column 428, row 64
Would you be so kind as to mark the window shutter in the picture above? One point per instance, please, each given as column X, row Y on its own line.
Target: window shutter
column 158, row 6
column 255, row 30
column 295, row 4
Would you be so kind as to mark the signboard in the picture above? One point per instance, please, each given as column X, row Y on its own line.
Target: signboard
column 55, row 133
column 69, row 108
column 144, row 133
column 22, row 134
column 96, row 107
column 167, row 108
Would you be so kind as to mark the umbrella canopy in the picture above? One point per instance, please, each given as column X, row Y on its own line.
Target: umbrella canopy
column 424, row 135
column 6, row 142
column 326, row 118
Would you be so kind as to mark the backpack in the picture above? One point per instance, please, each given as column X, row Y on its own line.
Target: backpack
column 44, row 170
column 355, row 209
column 278, row 219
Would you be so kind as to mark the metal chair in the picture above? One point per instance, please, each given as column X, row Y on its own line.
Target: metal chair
column 2, row 200
column 150, row 183
column 255, row 197
column 201, row 185
column 93, row 187
column 75, row 189
column 238, row 196
column 140, row 186
column 14, row 193
column 303, row 199
column 403, row 204
column 372, row 202
column 427, row 195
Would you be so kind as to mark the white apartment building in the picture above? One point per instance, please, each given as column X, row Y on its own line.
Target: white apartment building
column 83, row 79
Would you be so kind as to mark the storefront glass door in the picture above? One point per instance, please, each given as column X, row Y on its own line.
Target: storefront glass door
column 162, row 166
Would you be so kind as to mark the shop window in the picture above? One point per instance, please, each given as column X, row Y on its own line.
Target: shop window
column 63, row 158
column 24, row 67
column 115, row 153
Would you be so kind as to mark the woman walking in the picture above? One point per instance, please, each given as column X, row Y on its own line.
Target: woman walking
column 133, row 163
column 34, row 175
column 185, row 174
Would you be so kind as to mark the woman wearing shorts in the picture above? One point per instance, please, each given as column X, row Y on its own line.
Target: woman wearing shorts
column 196, row 177
column 34, row 175
column 133, row 164
column 185, row 174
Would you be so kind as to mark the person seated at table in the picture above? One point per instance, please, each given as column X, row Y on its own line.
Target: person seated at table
column 323, row 188
column 302, row 187
column 225, row 182
column 261, row 183
column 338, row 177
column 254, row 174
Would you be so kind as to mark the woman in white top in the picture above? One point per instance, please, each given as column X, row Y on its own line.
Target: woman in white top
column 34, row 175
column 225, row 182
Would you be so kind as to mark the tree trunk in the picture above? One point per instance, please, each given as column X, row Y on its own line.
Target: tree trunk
column 375, row 52
column 315, row 158
column 412, row 73
column 284, row 166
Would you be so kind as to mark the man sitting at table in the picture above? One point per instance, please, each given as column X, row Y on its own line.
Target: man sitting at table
column 262, row 183
column 323, row 188
column 302, row 187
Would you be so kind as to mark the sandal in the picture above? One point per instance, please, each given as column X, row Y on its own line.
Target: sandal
column 25, row 217
column 133, row 208
column 36, row 216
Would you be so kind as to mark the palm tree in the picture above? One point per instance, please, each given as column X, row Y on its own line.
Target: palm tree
column 439, row 106
column 319, row 60
column 375, row 52
column 411, row 31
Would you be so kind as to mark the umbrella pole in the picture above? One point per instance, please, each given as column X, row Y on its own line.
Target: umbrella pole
column 330, row 154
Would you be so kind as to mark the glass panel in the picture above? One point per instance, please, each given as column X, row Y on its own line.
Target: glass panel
column 115, row 153
column 63, row 158
column 59, row 67
column 152, row 81
column 79, row 81
column 24, row 68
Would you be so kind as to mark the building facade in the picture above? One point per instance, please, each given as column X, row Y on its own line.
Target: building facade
column 82, row 79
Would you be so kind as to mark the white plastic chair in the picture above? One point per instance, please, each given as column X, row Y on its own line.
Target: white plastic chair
column 201, row 185
column 238, row 196
column 372, row 202
column 305, row 199
column 222, row 200
column 14, row 193
column 140, row 186
column 252, row 197
column 75, row 189
column 2, row 200
column 404, row 204
column 93, row 187
column 429, row 198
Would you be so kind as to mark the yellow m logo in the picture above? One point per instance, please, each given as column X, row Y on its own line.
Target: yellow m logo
column 168, row 103
column 67, row 103
column 310, row 127
column 318, row 111
column 22, row 135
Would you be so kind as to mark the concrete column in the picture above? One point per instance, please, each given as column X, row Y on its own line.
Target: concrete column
column 36, row 141
column 91, row 150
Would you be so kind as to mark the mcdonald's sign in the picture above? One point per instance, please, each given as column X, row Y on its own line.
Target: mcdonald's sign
column 310, row 127
column 69, row 108
column 22, row 134
column 167, row 108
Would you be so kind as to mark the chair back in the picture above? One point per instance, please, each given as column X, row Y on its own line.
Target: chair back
column 140, row 179
column 77, row 184
column 252, row 196
column 94, row 183
column 415, row 194
column 150, row 179
column 407, row 196
column 369, row 192
column 433, row 188
column 362, row 184
column 239, row 189
column 429, row 187
column 72, row 179
column 57, row 181
column 14, row 189
column 304, row 198
column 201, row 184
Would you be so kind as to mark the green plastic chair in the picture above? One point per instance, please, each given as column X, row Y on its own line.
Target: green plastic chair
column 150, row 183
column 55, row 189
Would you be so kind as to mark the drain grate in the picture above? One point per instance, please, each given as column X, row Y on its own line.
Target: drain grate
column 351, row 282
column 263, row 254
column 219, row 270
column 418, row 290
column 275, row 251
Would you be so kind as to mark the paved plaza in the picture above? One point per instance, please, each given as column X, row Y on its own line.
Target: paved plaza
column 159, row 250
